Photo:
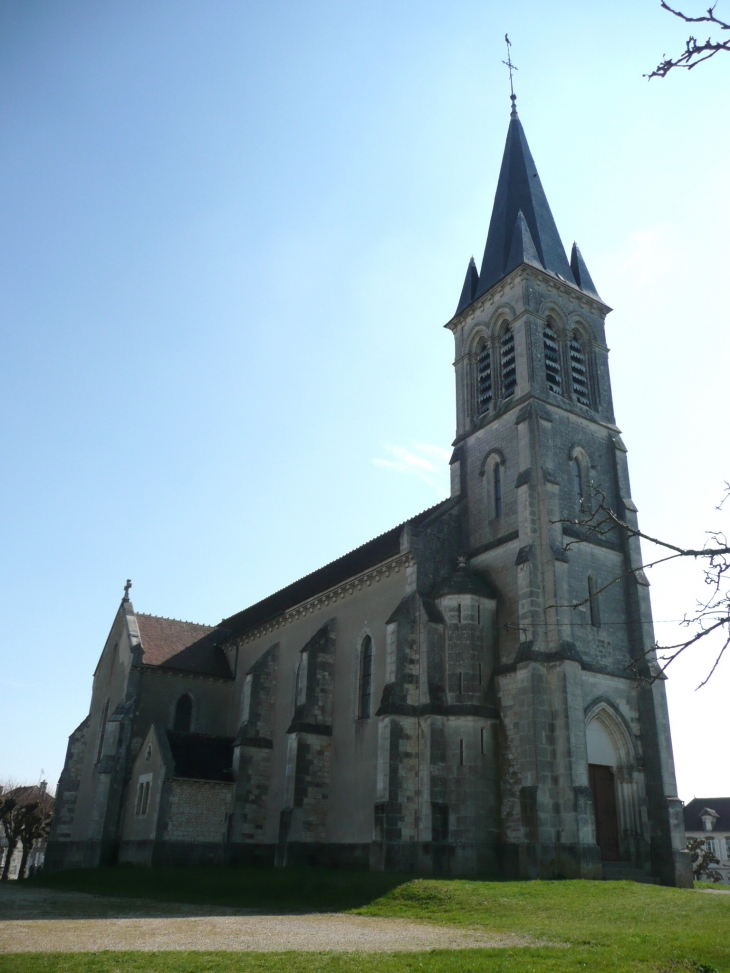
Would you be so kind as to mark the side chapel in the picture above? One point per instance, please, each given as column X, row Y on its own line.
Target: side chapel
column 426, row 702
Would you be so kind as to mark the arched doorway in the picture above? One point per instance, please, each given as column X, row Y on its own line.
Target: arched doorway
column 602, row 763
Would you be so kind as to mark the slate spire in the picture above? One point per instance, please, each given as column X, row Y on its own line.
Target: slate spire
column 470, row 287
column 520, row 193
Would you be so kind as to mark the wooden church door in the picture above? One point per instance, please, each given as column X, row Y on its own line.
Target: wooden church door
column 604, row 800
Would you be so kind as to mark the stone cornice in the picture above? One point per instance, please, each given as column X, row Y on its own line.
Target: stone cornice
column 525, row 272
column 330, row 596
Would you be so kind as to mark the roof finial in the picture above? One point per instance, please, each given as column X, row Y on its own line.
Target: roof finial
column 127, row 586
column 512, row 67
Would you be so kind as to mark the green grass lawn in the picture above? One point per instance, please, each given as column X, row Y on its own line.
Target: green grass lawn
column 602, row 926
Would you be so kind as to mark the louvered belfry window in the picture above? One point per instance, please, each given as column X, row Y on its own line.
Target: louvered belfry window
column 553, row 373
column 484, row 380
column 579, row 372
column 509, row 370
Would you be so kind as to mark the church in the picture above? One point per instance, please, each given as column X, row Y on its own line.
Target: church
column 468, row 693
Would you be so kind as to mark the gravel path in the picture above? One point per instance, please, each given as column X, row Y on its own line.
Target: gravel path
column 41, row 920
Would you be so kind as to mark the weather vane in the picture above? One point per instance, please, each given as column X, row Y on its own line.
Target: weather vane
column 512, row 67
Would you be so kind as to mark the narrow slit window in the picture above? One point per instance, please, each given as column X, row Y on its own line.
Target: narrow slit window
column 509, row 368
column 366, row 676
column 459, row 613
column 479, row 614
column 497, row 477
column 579, row 372
column 138, row 805
column 553, row 374
column 461, row 753
column 593, row 602
column 480, row 673
column 481, row 744
column 102, row 730
column 484, row 380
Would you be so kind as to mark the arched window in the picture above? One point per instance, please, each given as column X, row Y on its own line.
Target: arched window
column 579, row 371
column 553, row 374
column 366, row 676
column 183, row 714
column 497, row 483
column 484, row 379
column 509, row 370
column 593, row 601
column 578, row 479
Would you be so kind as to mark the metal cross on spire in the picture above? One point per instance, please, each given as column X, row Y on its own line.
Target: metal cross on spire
column 512, row 67
column 127, row 586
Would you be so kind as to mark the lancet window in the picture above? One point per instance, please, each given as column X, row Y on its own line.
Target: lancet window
column 497, row 485
column 183, row 714
column 553, row 373
column 366, row 676
column 579, row 371
column 484, row 379
column 509, row 369
column 578, row 479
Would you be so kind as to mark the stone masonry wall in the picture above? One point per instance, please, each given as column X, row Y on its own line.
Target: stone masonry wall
column 198, row 811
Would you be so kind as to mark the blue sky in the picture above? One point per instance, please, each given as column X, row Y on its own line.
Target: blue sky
column 232, row 234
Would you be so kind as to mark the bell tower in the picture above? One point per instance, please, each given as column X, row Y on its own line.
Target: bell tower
column 587, row 775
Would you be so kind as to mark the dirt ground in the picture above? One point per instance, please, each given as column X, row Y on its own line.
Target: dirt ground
column 44, row 920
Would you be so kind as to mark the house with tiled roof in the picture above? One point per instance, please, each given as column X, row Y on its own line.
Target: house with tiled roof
column 468, row 693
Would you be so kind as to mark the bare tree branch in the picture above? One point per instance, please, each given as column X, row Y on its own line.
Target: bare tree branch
column 710, row 616
column 695, row 51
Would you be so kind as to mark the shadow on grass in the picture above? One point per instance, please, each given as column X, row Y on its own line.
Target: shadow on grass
column 270, row 890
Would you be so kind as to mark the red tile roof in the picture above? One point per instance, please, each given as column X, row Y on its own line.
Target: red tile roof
column 180, row 645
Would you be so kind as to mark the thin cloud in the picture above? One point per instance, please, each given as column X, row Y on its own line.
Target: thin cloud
column 425, row 461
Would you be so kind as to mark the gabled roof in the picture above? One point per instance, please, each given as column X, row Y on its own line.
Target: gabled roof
column 201, row 757
column 522, row 228
column 173, row 644
column 693, row 813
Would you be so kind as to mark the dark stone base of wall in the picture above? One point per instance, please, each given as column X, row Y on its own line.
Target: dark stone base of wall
column 80, row 854
column 483, row 860
column 437, row 858
column 551, row 861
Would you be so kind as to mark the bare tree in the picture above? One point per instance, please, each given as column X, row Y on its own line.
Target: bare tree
column 25, row 815
column 695, row 52
column 36, row 823
column 711, row 615
column 702, row 860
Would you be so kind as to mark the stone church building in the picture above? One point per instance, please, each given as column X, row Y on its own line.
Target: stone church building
column 432, row 701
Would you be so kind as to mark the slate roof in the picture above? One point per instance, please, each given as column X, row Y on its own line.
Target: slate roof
column 522, row 228
column 201, row 757
column 693, row 810
column 173, row 644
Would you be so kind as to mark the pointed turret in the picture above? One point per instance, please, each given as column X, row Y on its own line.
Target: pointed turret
column 523, row 250
column 471, row 281
column 580, row 272
column 519, row 190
